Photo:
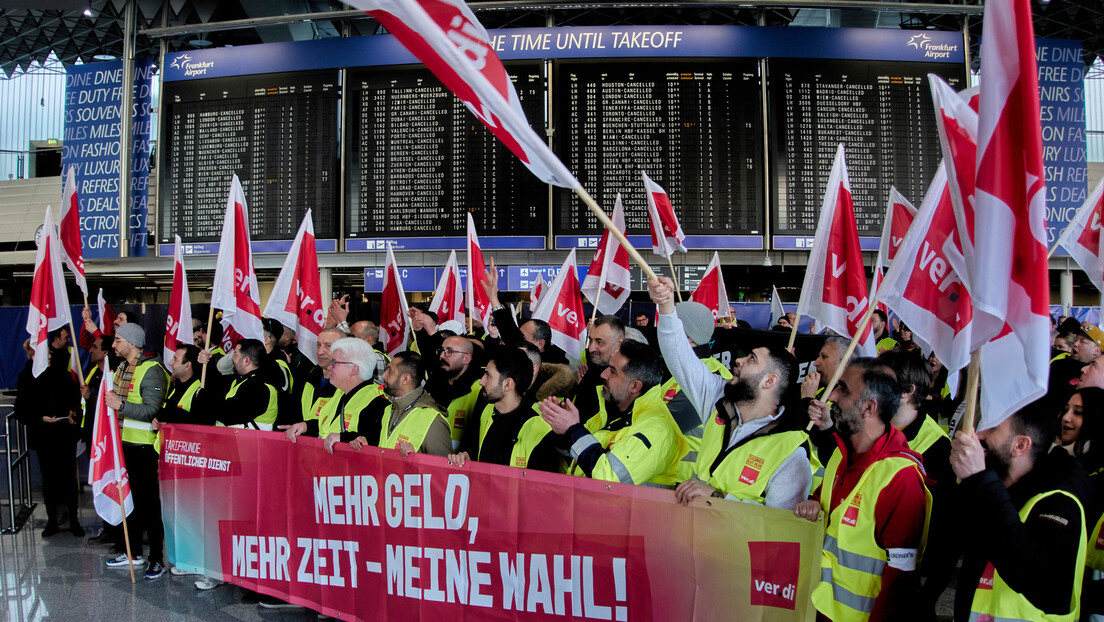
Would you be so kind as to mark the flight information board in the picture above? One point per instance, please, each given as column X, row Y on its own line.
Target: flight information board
column 882, row 113
column 695, row 127
column 277, row 132
column 418, row 160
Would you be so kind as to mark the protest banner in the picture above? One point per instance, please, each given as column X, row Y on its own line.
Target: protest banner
column 369, row 535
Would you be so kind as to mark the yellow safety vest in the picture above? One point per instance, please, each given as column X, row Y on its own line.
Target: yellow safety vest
column 647, row 407
column 1060, row 356
column 459, row 411
column 693, row 436
column 324, row 409
column 530, row 435
column 265, row 420
column 993, row 599
column 744, row 473
column 184, row 404
column 852, row 563
column 313, row 409
column 329, row 422
column 929, row 433
column 412, row 429
column 1094, row 558
column 134, row 431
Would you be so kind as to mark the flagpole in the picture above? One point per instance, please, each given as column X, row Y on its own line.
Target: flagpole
column 75, row 356
column 972, row 376
column 608, row 224
column 793, row 331
column 207, row 345
column 119, row 484
column 1054, row 248
column 601, row 287
column 847, row 354
column 674, row 279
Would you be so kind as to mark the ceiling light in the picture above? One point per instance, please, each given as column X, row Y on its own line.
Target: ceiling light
column 199, row 43
column 103, row 57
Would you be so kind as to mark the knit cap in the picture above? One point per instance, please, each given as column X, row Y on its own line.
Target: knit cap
column 697, row 321
column 132, row 333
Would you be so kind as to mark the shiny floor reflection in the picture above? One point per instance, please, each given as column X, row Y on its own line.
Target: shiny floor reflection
column 64, row 578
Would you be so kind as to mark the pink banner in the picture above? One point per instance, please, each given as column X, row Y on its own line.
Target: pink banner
column 369, row 536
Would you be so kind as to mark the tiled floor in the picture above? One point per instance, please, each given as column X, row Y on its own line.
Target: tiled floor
column 64, row 578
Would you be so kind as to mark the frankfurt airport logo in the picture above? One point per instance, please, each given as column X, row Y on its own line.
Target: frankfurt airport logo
column 935, row 51
column 191, row 69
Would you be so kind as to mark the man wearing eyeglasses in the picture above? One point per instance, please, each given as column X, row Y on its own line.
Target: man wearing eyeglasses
column 353, row 415
column 454, row 383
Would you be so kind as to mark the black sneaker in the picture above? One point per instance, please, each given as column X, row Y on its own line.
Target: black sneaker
column 50, row 530
column 155, row 571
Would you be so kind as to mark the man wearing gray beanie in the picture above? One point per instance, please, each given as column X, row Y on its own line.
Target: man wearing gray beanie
column 137, row 395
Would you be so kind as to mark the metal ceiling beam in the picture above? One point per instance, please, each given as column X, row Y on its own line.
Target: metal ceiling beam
column 559, row 5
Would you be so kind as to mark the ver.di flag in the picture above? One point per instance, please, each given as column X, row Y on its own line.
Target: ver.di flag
column 899, row 215
column 450, row 41
column 235, row 288
column 667, row 235
column 1081, row 238
column 479, row 301
column 448, row 298
column 394, row 328
column 922, row 285
column 835, row 292
column 711, row 290
column 107, row 472
column 296, row 298
column 178, row 323
column 538, row 289
column 49, row 305
column 562, row 307
column 607, row 283
column 69, row 230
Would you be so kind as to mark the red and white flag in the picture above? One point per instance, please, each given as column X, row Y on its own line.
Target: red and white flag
column 899, row 215
column 479, row 302
column 835, row 291
column 538, row 288
column 178, row 324
column 394, row 326
column 1081, row 237
column 69, row 230
column 107, row 473
column 922, row 285
column 450, row 41
column 296, row 298
column 105, row 313
column 607, row 284
column 448, row 299
column 49, row 302
column 562, row 307
column 667, row 235
column 235, row 289
column 711, row 290
column 1009, row 277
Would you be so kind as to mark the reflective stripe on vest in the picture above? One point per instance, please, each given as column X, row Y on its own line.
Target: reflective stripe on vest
column 744, row 473
column 140, row 432
column 530, row 435
column 459, row 411
column 285, row 369
column 929, row 433
column 997, row 601
column 852, row 563
column 411, row 429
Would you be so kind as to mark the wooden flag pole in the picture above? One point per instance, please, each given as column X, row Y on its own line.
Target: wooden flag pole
column 207, row 345
column 74, row 355
column 1053, row 248
column 126, row 539
column 601, row 287
column 973, row 374
column 674, row 279
column 608, row 224
column 793, row 332
column 847, row 355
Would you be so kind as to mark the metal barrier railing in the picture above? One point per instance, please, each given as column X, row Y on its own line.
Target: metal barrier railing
column 20, row 504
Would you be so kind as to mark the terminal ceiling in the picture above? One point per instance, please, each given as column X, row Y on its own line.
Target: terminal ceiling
column 83, row 30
